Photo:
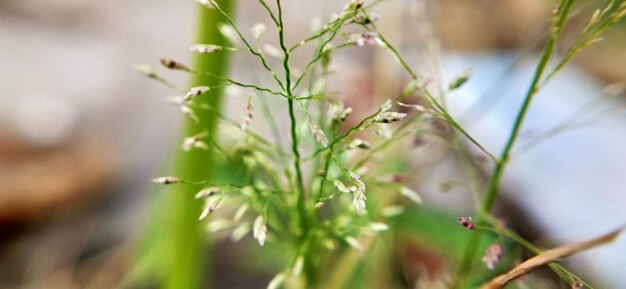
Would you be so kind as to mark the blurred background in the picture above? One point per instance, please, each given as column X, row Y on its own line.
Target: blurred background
column 82, row 133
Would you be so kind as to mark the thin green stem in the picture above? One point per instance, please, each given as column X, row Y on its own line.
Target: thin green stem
column 301, row 202
column 496, row 177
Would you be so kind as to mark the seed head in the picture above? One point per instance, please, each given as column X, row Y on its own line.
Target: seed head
column 188, row 112
column 467, row 222
column 146, row 70
column 318, row 133
column 369, row 38
column 492, row 255
column 359, row 143
column 345, row 114
column 359, row 194
column 206, row 192
column 194, row 92
column 259, row 230
column 578, row 284
column 389, row 117
column 249, row 115
column 171, row 64
column 166, row 180
column 459, row 80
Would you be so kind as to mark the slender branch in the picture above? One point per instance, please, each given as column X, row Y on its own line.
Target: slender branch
column 496, row 177
column 292, row 117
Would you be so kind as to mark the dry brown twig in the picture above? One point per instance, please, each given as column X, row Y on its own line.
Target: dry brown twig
column 548, row 257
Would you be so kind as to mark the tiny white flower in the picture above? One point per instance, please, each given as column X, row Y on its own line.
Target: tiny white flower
column 257, row 30
column 354, row 243
column 359, row 143
column 359, row 194
column 382, row 130
column 166, row 180
column 276, row 281
column 318, row 134
column 259, row 230
column 297, row 266
column 389, row 117
column 205, row 48
column 248, row 118
column 272, row 51
column 146, row 70
column 187, row 111
column 194, row 92
column 229, row 33
column 369, row 38
column 206, row 192
column 411, row 195
column 219, row 225
column 207, row 3
column 240, row 232
column 241, row 211
column 378, row 227
column 345, row 114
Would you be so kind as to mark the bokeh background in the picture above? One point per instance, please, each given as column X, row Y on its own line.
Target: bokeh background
column 82, row 133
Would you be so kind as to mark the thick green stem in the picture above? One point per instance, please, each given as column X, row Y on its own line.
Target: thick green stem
column 176, row 246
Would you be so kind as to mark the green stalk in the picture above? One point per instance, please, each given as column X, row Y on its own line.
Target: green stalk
column 176, row 254
column 496, row 177
column 292, row 117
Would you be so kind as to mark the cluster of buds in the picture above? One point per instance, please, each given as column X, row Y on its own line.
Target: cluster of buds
column 467, row 222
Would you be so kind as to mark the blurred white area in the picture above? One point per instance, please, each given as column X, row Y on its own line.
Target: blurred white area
column 573, row 183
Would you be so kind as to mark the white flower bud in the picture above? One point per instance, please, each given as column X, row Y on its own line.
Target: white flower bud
column 166, row 180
